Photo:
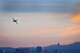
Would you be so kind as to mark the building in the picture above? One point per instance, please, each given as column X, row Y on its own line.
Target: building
column 39, row 49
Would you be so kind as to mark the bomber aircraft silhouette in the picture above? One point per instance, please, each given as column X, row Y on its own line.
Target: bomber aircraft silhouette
column 14, row 20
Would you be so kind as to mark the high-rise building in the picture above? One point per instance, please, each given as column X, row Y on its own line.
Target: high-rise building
column 6, row 50
column 1, row 51
column 26, row 50
column 23, row 50
column 39, row 49
column 18, row 50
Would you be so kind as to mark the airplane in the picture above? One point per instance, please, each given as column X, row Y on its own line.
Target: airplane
column 15, row 21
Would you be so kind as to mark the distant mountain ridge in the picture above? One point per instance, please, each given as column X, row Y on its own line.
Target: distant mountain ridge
column 71, row 48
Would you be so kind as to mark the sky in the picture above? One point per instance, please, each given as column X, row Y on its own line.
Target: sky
column 37, row 5
column 38, row 25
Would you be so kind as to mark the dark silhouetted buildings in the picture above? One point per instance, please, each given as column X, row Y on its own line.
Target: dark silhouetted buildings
column 39, row 49
column 23, row 50
column 71, row 48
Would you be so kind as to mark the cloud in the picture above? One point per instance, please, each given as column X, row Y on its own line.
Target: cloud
column 75, row 18
column 44, row 30
column 62, row 31
column 70, row 30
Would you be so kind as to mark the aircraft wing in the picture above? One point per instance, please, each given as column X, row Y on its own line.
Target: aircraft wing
column 13, row 18
column 16, row 22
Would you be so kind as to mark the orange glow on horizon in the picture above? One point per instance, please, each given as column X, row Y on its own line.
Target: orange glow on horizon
column 76, row 19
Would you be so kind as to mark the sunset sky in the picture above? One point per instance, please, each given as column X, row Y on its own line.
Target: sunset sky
column 40, row 25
